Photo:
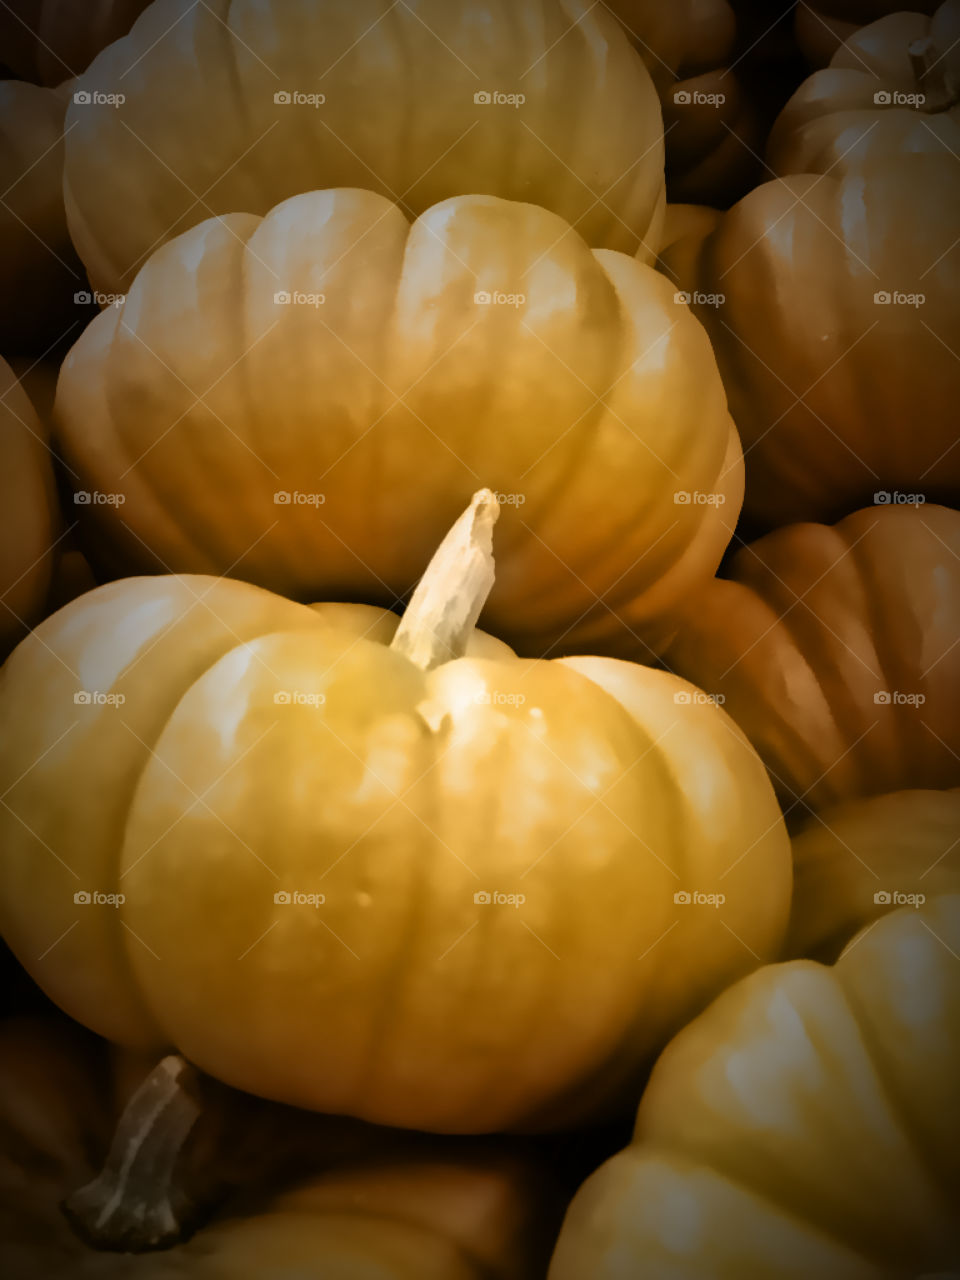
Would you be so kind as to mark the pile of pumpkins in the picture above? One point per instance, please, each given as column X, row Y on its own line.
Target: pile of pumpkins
column 480, row 585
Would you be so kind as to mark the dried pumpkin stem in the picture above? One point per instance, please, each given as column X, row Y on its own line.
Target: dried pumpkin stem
column 931, row 74
column 450, row 596
column 137, row 1203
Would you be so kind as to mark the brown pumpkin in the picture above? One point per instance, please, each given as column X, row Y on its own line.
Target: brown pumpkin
column 831, row 303
column 368, row 1204
column 28, row 512
column 835, row 649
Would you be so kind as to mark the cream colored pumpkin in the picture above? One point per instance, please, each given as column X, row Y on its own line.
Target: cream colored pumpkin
column 234, row 107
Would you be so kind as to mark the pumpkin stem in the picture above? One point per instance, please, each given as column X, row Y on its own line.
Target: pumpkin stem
column 933, row 80
column 450, row 596
column 137, row 1202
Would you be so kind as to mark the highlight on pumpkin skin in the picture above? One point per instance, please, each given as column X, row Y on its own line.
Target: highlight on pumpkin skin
column 892, row 89
column 806, row 1124
column 412, row 108
column 586, row 846
column 828, row 279
column 232, row 412
column 835, row 649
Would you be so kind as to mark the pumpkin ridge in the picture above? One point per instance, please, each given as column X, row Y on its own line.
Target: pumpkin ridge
column 124, row 939
column 754, row 1180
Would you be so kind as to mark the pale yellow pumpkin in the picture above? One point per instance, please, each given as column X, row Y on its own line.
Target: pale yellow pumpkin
column 418, row 102
column 306, row 401
column 370, row 876
column 806, row 1125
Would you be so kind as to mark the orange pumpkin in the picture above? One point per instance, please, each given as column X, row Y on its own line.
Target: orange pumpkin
column 823, row 26
column 428, row 883
column 711, row 132
column 831, row 303
column 892, row 89
column 835, row 649
column 537, row 100
column 299, row 1196
column 308, row 400
column 856, row 861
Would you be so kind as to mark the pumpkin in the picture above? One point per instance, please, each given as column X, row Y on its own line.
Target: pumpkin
column 537, row 100
column 29, row 512
column 278, row 396
column 39, row 269
column 821, row 28
column 450, row 892
column 831, row 305
column 368, row 1205
column 893, row 88
column 857, row 861
column 710, row 128
column 806, row 1124
column 50, row 40
column 834, row 648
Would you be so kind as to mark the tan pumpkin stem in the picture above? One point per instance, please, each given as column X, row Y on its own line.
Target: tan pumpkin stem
column 450, row 596
column 930, row 70
column 137, row 1202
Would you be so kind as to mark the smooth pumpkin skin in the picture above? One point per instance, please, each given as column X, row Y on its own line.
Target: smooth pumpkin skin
column 582, row 784
column 28, row 504
column 821, row 28
column 39, row 269
column 833, row 121
column 835, row 396
column 595, row 402
column 904, row 843
column 48, row 41
column 806, row 1124
column 587, row 142
column 377, row 1212
column 812, row 624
